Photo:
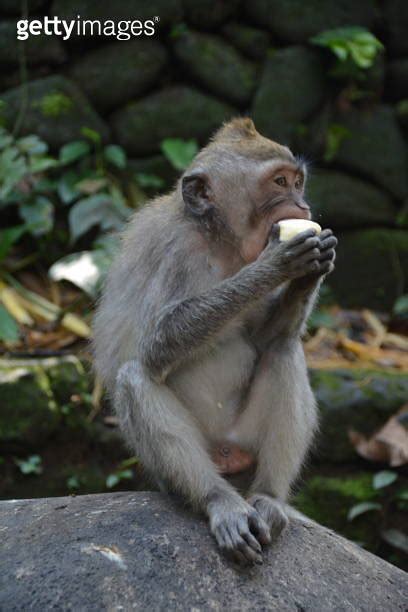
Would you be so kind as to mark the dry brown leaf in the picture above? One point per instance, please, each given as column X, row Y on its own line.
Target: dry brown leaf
column 388, row 445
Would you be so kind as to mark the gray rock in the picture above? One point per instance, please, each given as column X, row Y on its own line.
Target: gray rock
column 397, row 79
column 38, row 49
column 56, row 110
column 207, row 14
column 342, row 201
column 371, row 132
column 31, row 392
column 291, row 88
column 174, row 112
column 296, row 20
column 396, row 24
column 11, row 7
column 142, row 551
column 359, row 399
column 119, row 72
column 250, row 41
column 169, row 11
column 217, row 65
column 370, row 268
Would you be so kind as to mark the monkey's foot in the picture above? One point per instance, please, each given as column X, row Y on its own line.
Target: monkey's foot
column 271, row 511
column 231, row 459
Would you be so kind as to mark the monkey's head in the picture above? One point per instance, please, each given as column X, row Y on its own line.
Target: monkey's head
column 241, row 184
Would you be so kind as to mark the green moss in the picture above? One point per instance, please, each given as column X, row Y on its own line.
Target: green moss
column 328, row 499
column 54, row 104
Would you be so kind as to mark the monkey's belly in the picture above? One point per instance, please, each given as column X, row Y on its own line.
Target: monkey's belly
column 212, row 387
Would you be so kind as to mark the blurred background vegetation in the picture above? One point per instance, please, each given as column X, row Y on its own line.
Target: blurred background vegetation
column 93, row 127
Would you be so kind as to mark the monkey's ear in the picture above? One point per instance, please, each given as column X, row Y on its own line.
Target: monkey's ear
column 197, row 194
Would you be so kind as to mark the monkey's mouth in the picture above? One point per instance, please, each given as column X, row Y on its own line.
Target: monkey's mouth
column 291, row 211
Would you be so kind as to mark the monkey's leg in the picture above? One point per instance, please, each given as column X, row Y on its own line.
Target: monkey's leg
column 279, row 421
column 170, row 444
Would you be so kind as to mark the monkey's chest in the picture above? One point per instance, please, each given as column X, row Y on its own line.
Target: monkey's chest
column 213, row 386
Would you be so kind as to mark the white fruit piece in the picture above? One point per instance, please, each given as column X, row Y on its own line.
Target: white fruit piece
column 288, row 228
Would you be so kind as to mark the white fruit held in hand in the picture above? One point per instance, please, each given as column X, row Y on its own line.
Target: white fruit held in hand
column 288, row 228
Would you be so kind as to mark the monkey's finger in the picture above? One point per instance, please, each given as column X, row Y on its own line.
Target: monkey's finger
column 259, row 528
column 329, row 254
column 300, row 238
column 325, row 234
column 328, row 243
column 240, row 545
column 326, row 267
column 245, row 533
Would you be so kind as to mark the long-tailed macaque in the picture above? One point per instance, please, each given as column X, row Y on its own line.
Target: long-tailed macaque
column 198, row 334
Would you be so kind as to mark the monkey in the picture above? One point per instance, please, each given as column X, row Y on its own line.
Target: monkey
column 197, row 335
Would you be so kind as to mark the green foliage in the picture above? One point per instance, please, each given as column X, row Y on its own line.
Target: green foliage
column 335, row 135
column 31, row 465
column 81, row 189
column 113, row 479
column 384, row 479
column 9, row 331
column 149, row 181
column 180, row 153
column 362, row 508
column 115, row 155
column 54, row 104
column 350, row 43
column 401, row 305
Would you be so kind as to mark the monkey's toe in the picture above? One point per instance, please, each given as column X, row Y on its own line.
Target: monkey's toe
column 271, row 512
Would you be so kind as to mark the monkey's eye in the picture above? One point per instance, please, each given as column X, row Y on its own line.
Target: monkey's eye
column 299, row 182
column 281, row 181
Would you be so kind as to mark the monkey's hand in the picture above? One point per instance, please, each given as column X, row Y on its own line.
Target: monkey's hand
column 292, row 259
column 238, row 528
column 271, row 511
column 327, row 248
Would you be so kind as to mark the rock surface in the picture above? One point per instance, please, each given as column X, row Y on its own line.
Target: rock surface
column 174, row 112
column 377, row 258
column 217, row 66
column 276, row 111
column 343, row 201
column 360, row 399
column 55, row 109
column 141, row 62
column 141, row 551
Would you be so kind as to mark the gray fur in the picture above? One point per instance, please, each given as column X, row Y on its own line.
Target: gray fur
column 198, row 347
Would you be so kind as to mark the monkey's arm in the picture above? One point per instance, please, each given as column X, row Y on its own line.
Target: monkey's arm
column 289, row 309
column 185, row 327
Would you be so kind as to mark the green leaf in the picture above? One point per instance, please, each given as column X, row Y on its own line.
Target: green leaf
column 112, row 480
column 180, row 153
column 98, row 209
column 384, row 479
column 39, row 164
column 38, row 215
column 91, row 135
column 146, row 181
column 86, row 270
column 32, row 145
column 73, row 151
column 115, row 155
column 13, row 168
column 67, row 189
column 9, row 331
column 401, row 305
column 362, row 508
column 73, row 482
column 8, row 237
column 396, row 538
column 350, row 43
column 31, row 465
column 129, row 462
